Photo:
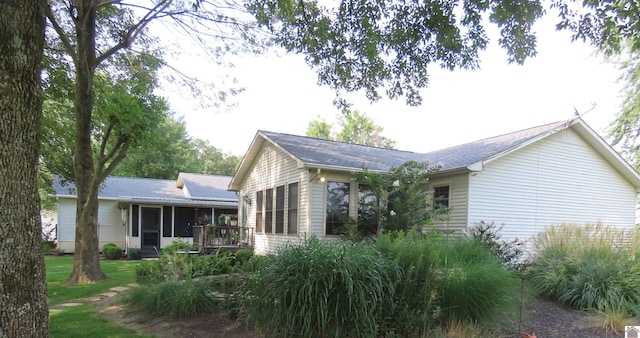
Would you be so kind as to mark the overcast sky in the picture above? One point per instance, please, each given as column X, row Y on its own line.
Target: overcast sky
column 458, row 107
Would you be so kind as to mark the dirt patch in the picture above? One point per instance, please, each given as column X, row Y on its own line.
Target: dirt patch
column 544, row 318
column 209, row 325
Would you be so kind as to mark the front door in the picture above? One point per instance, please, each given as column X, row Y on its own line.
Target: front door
column 150, row 228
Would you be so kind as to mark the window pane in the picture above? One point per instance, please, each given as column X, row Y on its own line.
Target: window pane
column 259, row 206
column 280, row 209
column 367, row 207
column 441, row 197
column 292, row 216
column 337, row 206
column 268, row 211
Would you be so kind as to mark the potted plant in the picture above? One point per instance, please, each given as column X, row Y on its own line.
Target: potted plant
column 134, row 253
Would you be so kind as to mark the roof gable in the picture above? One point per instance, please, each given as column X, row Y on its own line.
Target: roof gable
column 319, row 153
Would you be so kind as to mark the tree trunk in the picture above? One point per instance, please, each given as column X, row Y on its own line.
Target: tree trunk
column 86, row 261
column 23, row 288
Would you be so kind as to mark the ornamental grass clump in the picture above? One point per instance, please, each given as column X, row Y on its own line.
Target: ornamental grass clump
column 590, row 266
column 412, row 310
column 322, row 289
column 472, row 284
column 174, row 298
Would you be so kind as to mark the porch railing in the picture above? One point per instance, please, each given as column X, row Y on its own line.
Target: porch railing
column 212, row 237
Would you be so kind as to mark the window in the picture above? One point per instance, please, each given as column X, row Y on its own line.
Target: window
column 280, row 209
column 441, row 197
column 337, row 206
column 292, row 207
column 367, row 210
column 259, row 206
column 268, row 211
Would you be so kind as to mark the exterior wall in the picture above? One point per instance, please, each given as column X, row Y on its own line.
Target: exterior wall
column 110, row 224
column 458, row 201
column 558, row 179
column 271, row 168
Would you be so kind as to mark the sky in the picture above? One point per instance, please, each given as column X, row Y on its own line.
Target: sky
column 281, row 95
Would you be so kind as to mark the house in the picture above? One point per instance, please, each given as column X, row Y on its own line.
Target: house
column 527, row 180
column 146, row 213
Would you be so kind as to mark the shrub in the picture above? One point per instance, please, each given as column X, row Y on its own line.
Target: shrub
column 412, row 310
column 472, row 285
column 174, row 298
column 243, row 256
column 111, row 251
column 488, row 235
column 590, row 267
column 48, row 246
column 176, row 245
column 322, row 288
column 149, row 272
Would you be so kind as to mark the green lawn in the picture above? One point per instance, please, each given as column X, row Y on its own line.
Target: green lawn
column 120, row 273
column 81, row 321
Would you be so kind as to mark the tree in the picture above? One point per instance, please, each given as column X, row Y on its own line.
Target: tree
column 23, row 289
column 94, row 38
column 170, row 150
column 388, row 45
column 164, row 154
column 394, row 201
column 212, row 160
column 611, row 26
column 356, row 128
column 625, row 129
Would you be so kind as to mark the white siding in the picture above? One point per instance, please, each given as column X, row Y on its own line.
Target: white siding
column 458, row 201
column 271, row 168
column 110, row 228
column 558, row 179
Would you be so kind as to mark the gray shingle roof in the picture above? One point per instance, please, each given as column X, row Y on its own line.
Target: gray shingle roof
column 324, row 153
column 203, row 189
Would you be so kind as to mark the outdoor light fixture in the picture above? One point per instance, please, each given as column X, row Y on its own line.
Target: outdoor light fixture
column 317, row 176
column 246, row 199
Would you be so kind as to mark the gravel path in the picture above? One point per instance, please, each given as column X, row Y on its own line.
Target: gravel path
column 550, row 320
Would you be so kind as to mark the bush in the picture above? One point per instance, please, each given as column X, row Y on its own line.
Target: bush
column 149, row 272
column 589, row 267
column 48, row 246
column 111, row 251
column 243, row 256
column 413, row 307
column 322, row 288
column 174, row 298
column 472, row 285
column 488, row 235
column 176, row 245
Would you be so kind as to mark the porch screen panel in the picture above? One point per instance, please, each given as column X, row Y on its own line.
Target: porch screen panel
column 184, row 220
column 167, row 217
column 280, row 209
column 268, row 211
column 135, row 221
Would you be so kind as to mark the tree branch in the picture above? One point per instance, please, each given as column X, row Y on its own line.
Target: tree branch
column 65, row 40
column 133, row 32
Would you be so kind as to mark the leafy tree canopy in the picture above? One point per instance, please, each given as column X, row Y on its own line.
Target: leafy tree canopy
column 356, row 128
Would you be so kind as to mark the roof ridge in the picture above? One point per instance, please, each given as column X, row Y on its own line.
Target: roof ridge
column 559, row 123
column 334, row 141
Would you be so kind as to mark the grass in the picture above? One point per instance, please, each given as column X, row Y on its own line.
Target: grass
column 81, row 321
column 592, row 267
column 59, row 268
